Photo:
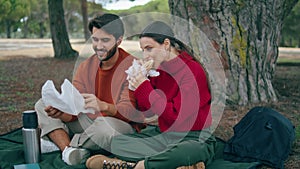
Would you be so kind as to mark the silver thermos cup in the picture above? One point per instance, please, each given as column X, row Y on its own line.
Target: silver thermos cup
column 31, row 137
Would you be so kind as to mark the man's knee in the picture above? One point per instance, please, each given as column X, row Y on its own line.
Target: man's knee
column 103, row 134
column 39, row 106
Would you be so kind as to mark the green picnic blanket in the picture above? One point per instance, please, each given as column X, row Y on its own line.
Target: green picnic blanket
column 11, row 153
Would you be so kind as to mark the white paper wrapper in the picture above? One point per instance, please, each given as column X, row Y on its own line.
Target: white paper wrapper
column 135, row 68
column 69, row 101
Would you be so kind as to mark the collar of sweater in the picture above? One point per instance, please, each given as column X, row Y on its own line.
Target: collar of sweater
column 176, row 64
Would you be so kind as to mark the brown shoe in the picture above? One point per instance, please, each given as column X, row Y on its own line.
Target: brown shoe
column 199, row 165
column 103, row 162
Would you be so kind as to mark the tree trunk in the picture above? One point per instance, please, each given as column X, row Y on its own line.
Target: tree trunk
column 246, row 36
column 60, row 39
column 8, row 29
column 25, row 31
column 84, row 11
column 42, row 29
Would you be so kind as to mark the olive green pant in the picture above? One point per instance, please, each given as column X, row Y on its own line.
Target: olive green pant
column 165, row 150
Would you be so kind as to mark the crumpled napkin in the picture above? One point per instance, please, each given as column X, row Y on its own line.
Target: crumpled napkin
column 69, row 101
column 137, row 67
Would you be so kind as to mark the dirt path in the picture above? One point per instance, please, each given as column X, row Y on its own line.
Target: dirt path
column 35, row 48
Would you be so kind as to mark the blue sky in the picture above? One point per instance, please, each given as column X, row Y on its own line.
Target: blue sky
column 125, row 4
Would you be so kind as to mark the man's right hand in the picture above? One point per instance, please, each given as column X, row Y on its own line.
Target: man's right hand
column 53, row 112
column 57, row 114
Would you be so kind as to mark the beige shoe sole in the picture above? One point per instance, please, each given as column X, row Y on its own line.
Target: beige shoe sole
column 95, row 162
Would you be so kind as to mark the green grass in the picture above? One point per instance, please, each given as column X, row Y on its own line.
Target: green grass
column 288, row 60
column 24, row 94
column 12, row 108
column 298, row 132
column 297, row 129
column 2, row 95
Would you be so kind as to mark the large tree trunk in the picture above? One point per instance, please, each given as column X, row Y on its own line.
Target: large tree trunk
column 246, row 35
column 60, row 39
column 84, row 11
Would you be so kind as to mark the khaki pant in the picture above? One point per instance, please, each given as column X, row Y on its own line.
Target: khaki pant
column 84, row 132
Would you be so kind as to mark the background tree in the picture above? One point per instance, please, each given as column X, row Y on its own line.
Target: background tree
column 59, row 34
column 35, row 23
column 72, row 15
column 84, row 12
column 290, row 32
column 40, row 19
column 246, row 35
column 11, row 11
column 157, row 6
column 94, row 9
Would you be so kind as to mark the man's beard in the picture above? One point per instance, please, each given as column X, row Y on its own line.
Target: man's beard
column 109, row 54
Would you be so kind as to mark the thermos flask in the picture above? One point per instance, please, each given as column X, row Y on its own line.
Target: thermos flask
column 31, row 137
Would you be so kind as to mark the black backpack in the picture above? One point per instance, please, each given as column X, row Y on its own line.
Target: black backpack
column 262, row 135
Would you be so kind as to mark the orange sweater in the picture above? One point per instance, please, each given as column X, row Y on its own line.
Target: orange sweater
column 111, row 86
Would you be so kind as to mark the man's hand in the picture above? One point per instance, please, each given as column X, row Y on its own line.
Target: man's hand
column 57, row 114
column 53, row 112
column 91, row 101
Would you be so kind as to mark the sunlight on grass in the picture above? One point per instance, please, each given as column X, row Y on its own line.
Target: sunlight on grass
column 288, row 60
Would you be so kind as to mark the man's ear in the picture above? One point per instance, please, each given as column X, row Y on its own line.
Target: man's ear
column 119, row 40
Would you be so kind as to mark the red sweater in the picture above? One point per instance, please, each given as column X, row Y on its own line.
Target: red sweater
column 117, row 93
column 180, row 96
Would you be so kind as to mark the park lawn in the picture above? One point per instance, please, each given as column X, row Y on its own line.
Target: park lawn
column 21, row 79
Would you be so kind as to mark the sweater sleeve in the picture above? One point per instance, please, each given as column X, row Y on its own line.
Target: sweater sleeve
column 124, row 99
column 78, row 82
column 126, row 106
column 155, row 101
column 142, row 94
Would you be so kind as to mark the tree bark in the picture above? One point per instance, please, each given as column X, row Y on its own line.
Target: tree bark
column 8, row 29
column 246, row 35
column 84, row 11
column 42, row 29
column 59, row 34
